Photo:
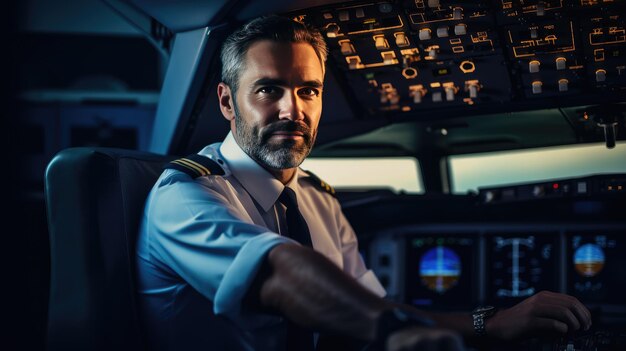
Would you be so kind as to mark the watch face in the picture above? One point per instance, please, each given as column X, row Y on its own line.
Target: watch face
column 484, row 309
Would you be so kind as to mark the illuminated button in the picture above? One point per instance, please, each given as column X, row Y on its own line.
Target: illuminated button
column 437, row 96
column 381, row 43
column 473, row 91
column 360, row 13
column 533, row 66
column 533, row 33
column 449, row 94
column 424, row 34
column 457, row 13
column 561, row 63
column 541, row 8
column 537, row 87
column 347, row 48
column 328, row 15
column 442, row 32
column 344, row 15
column 600, row 75
column 538, row 191
column 563, row 84
column 460, row 29
column 401, row 40
column 433, row 3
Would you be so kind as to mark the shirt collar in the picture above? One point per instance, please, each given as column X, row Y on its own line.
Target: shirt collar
column 259, row 183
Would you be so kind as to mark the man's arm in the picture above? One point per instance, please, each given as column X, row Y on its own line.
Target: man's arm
column 310, row 290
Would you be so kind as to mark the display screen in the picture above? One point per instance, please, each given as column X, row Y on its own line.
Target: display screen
column 520, row 265
column 441, row 271
column 596, row 267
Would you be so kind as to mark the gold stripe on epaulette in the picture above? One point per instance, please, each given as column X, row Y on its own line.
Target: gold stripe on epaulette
column 193, row 168
column 197, row 164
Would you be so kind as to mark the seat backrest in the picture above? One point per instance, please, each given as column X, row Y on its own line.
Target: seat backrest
column 94, row 199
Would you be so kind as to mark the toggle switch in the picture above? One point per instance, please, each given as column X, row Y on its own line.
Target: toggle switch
column 344, row 16
column 353, row 62
column 537, row 87
column 541, row 8
column 533, row 66
column 533, row 33
column 346, row 47
column 381, row 42
column 561, row 63
column 424, row 34
column 473, row 91
column 401, row 40
column 442, row 32
column 449, row 94
column 600, row 75
column 437, row 96
column 460, row 29
column 360, row 13
column 432, row 53
column 457, row 13
column 332, row 30
column 388, row 58
column 563, row 84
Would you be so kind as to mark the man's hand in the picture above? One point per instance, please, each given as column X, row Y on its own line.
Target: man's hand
column 543, row 314
column 426, row 339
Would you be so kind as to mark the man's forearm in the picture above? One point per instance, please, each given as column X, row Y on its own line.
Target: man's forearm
column 310, row 290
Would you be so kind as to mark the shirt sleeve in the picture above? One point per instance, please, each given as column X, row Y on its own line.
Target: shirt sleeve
column 352, row 260
column 207, row 240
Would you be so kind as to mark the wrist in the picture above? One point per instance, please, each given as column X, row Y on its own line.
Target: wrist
column 394, row 319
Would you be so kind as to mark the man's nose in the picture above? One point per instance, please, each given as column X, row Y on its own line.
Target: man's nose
column 291, row 107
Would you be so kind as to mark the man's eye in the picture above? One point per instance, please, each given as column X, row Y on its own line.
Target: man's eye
column 309, row 91
column 268, row 90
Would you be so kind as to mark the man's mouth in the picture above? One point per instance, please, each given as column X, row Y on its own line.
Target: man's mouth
column 287, row 135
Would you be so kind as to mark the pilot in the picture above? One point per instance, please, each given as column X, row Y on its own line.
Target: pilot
column 240, row 249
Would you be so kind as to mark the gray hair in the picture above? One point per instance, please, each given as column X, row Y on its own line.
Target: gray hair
column 275, row 28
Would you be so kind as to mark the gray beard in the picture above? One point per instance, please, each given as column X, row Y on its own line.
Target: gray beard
column 283, row 155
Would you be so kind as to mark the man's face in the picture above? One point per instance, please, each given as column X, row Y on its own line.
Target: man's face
column 279, row 103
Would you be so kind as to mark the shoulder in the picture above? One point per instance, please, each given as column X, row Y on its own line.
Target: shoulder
column 321, row 185
column 196, row 165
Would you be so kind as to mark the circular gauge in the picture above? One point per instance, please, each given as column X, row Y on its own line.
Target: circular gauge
column 440, row 269
column 589, row 260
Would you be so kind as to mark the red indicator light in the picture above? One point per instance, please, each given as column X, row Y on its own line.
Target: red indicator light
column 555, row 186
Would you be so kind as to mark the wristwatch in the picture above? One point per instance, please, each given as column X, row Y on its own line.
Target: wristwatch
column 479, row 315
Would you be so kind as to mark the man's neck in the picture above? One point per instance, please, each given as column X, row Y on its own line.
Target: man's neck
column 283, row 175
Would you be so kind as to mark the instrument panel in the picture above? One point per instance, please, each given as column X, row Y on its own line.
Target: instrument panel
column 410, row 56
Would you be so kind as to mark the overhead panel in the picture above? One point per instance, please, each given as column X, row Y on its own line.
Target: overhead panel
column 409, row 57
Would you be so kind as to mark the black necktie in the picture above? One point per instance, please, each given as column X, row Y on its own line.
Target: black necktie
column 298, row 338
column 296, row 225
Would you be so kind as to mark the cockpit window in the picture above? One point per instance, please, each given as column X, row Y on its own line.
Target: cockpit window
column 400, row 174
column 468, row 172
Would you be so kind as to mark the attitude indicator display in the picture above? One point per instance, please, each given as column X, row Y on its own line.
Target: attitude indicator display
column 441, row 271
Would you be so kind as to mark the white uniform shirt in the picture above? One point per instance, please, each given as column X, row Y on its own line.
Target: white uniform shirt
column 202, row 241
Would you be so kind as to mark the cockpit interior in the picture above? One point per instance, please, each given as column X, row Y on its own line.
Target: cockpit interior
column 478, row 148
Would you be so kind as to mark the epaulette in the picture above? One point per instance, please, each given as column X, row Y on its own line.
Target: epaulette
column 196, row 166
column 320, row 183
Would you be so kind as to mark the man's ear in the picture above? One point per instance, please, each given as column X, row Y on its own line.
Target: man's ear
column 226, row 101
